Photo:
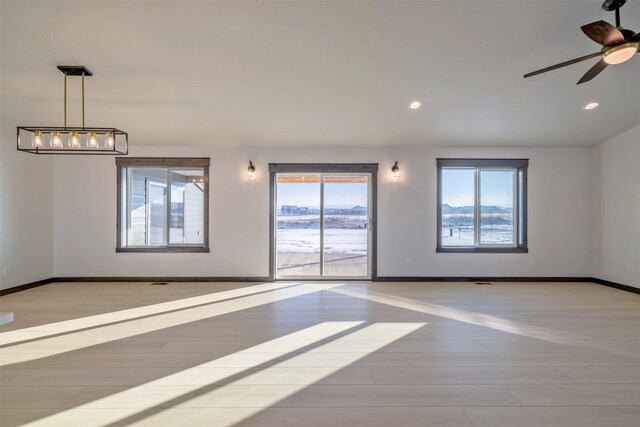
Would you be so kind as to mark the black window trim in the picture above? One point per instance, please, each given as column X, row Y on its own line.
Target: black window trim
column 521, row 165
column 163, row 162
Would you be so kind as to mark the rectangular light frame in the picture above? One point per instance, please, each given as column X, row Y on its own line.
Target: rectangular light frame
column 120, row 141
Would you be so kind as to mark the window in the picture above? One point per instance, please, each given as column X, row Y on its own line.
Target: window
column 482, row 205
column 163, row 204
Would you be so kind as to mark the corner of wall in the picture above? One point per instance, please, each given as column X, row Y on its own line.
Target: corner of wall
column 616, row 208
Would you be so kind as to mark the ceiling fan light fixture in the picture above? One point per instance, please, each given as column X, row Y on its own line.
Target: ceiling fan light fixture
column 591, row 105
column 621, row 53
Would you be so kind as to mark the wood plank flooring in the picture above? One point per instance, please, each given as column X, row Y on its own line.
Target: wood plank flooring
column 321, row 354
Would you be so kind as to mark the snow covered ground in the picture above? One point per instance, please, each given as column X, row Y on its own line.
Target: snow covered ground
column 352, row 241
column 491, row 235
column 343, row 234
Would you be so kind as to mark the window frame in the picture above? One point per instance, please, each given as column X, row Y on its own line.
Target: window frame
column 320, row 168
column 520, row 166
column 170, row 163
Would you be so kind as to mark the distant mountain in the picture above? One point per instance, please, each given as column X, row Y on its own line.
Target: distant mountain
column 495, row 209
column 460, row 210
column 294, row 210
column 466, row 210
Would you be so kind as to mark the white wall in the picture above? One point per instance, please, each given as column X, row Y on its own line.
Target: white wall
column 26, row 191
column 559, row 214
column 26, row 213
column 616, row 201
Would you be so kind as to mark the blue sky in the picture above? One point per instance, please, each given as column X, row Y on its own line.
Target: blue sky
column 458, row 187
column 457, row 190
column 344, row 195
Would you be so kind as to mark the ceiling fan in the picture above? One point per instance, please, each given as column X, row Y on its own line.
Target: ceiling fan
column 619, row 44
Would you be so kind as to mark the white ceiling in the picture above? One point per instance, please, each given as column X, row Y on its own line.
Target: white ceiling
column 319, row 73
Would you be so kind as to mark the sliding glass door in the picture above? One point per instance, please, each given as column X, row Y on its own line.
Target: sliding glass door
column 298, row 246
column 345, row 229
column 322, row 227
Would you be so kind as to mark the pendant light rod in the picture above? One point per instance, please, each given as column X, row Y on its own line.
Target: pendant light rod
column 83, row 100
column 74, row 70
column 65, row 99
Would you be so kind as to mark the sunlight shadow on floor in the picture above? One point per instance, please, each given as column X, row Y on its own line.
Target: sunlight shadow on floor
column 34, row 332
column 219, row 393
column 130, row 328
column 478, row 319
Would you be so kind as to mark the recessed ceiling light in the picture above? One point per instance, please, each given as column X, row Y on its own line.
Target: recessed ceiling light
column 414, row 105
column 591, row 105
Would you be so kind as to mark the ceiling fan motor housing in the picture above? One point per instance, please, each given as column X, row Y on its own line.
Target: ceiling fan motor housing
column 611, row 5
column 628, row 34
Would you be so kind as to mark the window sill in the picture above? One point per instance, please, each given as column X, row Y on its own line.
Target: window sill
column 172, row 249
column 454, row 250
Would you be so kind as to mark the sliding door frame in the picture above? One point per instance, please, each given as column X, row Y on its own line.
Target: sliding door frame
column 328, row 168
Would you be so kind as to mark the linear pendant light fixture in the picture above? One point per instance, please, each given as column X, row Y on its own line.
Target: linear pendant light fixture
column 72, row 140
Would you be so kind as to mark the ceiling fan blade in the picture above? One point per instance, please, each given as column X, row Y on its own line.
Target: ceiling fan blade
column 603, row 33
column 594, row 71
column 562, row 64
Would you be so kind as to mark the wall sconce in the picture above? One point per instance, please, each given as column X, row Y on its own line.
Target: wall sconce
column 251, row 170
column 395, row 170
column 195, row 179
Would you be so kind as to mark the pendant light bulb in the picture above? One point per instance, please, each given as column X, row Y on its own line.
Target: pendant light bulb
column 109, row 141
column 37, row 139
column 55, row 139
column 74, row 142
column 93, row 142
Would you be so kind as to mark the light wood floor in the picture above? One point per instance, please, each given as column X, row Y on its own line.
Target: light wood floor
column 330, row 354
